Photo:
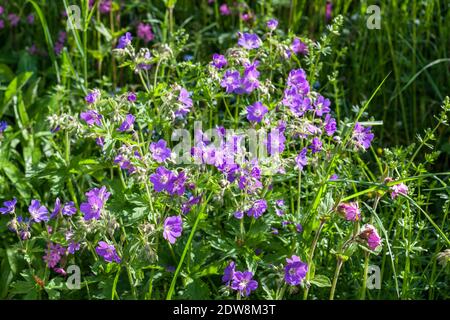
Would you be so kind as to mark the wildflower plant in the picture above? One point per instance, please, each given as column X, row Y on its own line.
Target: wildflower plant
column 231, row 178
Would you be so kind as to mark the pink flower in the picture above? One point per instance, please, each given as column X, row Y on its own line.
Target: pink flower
column 224, row 10
column 144, row 31
column 398, row 189
column 370, row 234
column 350, row 210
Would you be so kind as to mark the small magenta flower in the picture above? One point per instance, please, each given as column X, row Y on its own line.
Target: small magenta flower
column 219, row 61
column 162, row 179
column 107, row 252
column 30, row 19
column 38, row 213
column 53, row 254
column 173, row 227
column 258, row 208
column 256, row 112
column 228, row 273
column 127, row 124
column 243, row 282
column 298, row 46
column 105, row 6
column 328, row 10
column 350, row 210
column 362, row 136
column 224, row 10
column 398, row 189
column 144, row 31
column 124, row 41
column 92, row 96
column 272, row 24
column 9, row 206
column 295, row 271
column 13, row 19
column 370, row 234
column 249, row 41
column 159, row 150
column 301, row 159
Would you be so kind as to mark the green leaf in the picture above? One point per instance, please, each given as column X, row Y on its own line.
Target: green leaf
column 321, row 281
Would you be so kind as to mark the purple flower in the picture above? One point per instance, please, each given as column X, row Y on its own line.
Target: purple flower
column 249, row 40
column 330, row 125
column 301, row 159
column 107, row 252
column 105, row 6
column 13, row 19
column 362, row 136
column 56, row 209
column 231, row 80
column 370, row 234
column 91, row 117
column 187, row 206
column 53, row 254
column 186, row 102
column 243, row 282
column 9, row 206
column 297, row 104
column 249, row 82
column 239, row 214
column 275, row 231
column 219, row 61
column 334, row 177
column 298, row 46
column 228, row 273
column 256, row 112
column 2, row 23
column 162, row 179
column 2, row 10
column 127, row 124
column 295, row 271
column 350, row 210
column 396, row 190
column 299, row 227
column 144, row 31
column 73, row 247
column 328, row 10
column 38, row 213
column 159, row 151
column 224, row 10
column 173, row 227
column 69, row 209
column 258, row 208
column 96, row 199
column 124, row 41
column 275, row 142
column 272, row 24
column 3, row 126
column 176, row 185
column 92, row 96
column 131, row 97
column 322, row 106
column 316, row 145
column 30, row 19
